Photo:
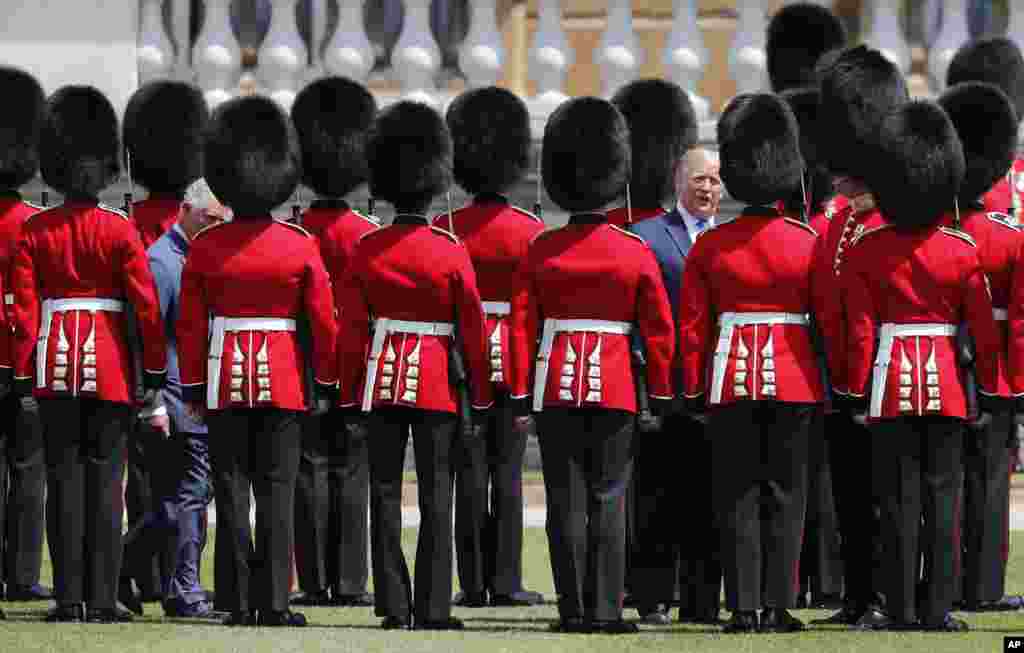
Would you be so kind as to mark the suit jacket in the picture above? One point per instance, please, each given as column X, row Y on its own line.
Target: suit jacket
column 667, row 236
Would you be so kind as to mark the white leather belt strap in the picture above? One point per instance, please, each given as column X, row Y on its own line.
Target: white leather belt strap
column 51, row 306
column 497, row 308
column 382, row 326
column 1000, row 314
column 221, row 325
column 9, row 298
column 547, row 341
column 727, row 323
column 886, row 335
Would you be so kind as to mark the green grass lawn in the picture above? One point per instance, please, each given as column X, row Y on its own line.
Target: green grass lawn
column 488, row 630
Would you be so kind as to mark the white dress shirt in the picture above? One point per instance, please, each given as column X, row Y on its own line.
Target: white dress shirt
column 691, row 222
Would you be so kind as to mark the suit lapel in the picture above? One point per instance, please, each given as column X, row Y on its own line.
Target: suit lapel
column 682, row 244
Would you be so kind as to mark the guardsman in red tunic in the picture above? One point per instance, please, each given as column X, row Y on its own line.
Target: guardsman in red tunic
column 661, row 559
column 746, row 344
column 21, row 432
column 908, row 285
column 987, row 125
column 997, row 61
column 409, row 295
column 858, row 88
column 162, row 133
column 244, row 287
column 491, row 139
column 584, row 289
column 79, row 268
column 332, row 117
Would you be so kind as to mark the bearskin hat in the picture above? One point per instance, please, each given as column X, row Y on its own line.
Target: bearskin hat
column 804, row 104
column 163, row 134
column 19, row 127
column 332, row 117
column 79, row 146
column 410, row 156
column 251, row 156
column 921, row 167
column 662, row 127
column 758, row 141
column 986, row 123
column 994, row 60
column 798, row 35
column 857, row 90
column 585, row 159
column 490, row 129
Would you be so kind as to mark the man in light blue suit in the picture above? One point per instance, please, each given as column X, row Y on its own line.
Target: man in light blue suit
column 679, row 474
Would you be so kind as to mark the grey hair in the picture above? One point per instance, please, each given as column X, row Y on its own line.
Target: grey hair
column 199, row 196
column 708, row 154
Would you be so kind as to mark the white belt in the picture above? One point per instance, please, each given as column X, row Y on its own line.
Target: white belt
column 221, row 325
column 888, row 333
column 1000, row 314
column 9, row 298
column 497, row 308
column 382, row 326
column 547, row 341
column 51, row 306
column 727, row 323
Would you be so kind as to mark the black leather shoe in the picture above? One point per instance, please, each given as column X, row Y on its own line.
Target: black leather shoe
column 197, row 610
column 364, row 600
column 522, row 598
column 29, row 593
column 874, row 619
column 126, row 595
column 777, row 620
column 394, row 623
column 470, row 600
column 451, row 623
column 240, row 619
column 320, row 598
column 1008, row 603
column 70, row 613
column 741, row 622
column 949, row 624
column 654, row 615
column 847, row 616
column 826, row 602
column 801, row 602
column 570, row 625
column 281, row 619
column 108, row 616
column 615, row 627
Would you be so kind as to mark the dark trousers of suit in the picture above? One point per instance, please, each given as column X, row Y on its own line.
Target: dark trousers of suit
column 850, row 454
column 148, row 474
column 84, row 443
column 433, row 436
column 918, row 474
column 489, row 506
column 259, row 449
column 986, row 511
column 22, row 491
column 677, row 540
column 821, row 567
column 331, row 500
column 587, row 462
column 759, row 461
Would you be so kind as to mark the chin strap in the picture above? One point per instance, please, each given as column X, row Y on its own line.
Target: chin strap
column 129, row 197
column 956, row 213
column 629, row 206
column 537, row 208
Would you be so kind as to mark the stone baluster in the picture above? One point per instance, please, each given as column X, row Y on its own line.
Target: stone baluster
column 1015, row 30
column 155, row 55
column 685, row 54
column 618, row 55
column 181, row 13
column 886, row 34
column 216, row 56
column 350, row 53
column 550, row 58
column 482, row 55
column 283, row 56
column 747, row 58
column 317, row 38
column 416, row 57
column 952, row 35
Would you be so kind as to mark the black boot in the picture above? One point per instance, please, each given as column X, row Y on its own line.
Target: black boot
column 281, row 619
column 395, row 623
column 67, row 613
column 451, row 623
column 113, row 615
column 778, row 620
column 741, row 622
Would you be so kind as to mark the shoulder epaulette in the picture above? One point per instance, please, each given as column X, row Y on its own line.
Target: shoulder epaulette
column 33, row 205
column 444, row 232
column 1003, row 219
column 628, row 233
column 956, row 233
column 802, row 225
column 372, row 220
column 208, row 228
column 527, row 213
column 114, row 211
column 294, row 226
column 867, row 232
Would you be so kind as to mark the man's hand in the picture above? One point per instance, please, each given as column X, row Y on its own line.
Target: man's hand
column 196, row 411
column 161, row 424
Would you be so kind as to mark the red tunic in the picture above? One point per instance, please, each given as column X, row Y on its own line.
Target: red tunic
column 497, row 235
column 337, row 228
column 932, row 277
column 254, row 268
column 590, row 270
column 821, row 220
column 621, row 218
column 13, row 214
column 1007, row 194
column 760, row 263
column 84, row 250
column 155, row 216
column 413, row 272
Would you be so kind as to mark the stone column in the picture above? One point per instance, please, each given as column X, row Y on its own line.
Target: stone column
column 685, row 55
column 482, row 56
column 550, row 58
column 155, row 54
column 416, row 57
column 747, row 58
column 618, row 55
column 952, row 35
column 216, row 56
column 886, row 34
column 283, row 58
column 350, row 53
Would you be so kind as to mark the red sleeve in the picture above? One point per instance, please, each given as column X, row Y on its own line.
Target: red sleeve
column 654, row 316
column 695, row 321
column 353, row 334
column 319, row 302
column 5, row 327
column 989, row 357
column 25, row 313
column 473, row 329
column 192, row 330
column 831, row 319
column 141, row 292
column 1016, row 325
column 523, row 329
column 861, row 320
